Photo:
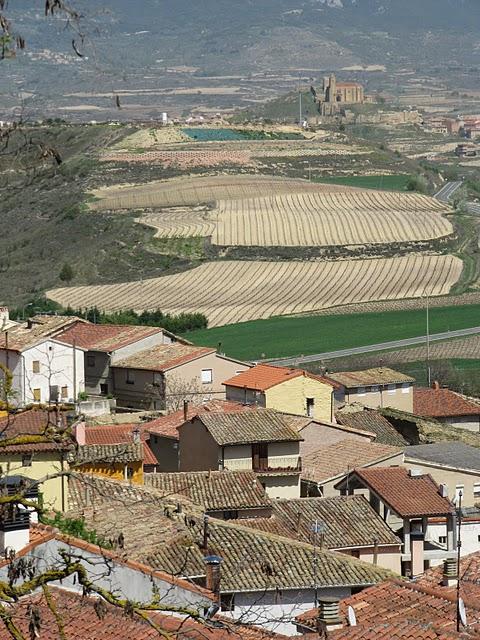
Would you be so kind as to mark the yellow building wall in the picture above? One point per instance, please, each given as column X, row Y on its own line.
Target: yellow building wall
column 114, row 471
column 43, row 464
column 291, row 397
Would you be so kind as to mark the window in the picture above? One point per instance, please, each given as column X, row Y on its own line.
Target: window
column 476, row 490
column 227, row 602
column 157, row 380
column 54, row 393
column 37, row 395
column 36, row 366
column 129, row 377
column 361, row 391
column 230, row 515
column 406, row 387
column 64, row 393
column 90, row 360
column 129, row 473
column 375, row 388
column 442, row 539
column 478, row 538
column 104, row 389
column 310, row 407
column 391, row 388
column 207, row 376
column 27, row 460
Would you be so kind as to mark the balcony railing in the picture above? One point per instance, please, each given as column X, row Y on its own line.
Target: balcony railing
column 273, row 465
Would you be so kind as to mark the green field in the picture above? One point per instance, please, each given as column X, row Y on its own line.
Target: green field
column 387, row 183
column 286, row 336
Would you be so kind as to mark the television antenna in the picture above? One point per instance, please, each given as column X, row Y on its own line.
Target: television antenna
column 461, row 614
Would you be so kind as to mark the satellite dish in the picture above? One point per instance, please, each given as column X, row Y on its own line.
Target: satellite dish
column 462, row 612
column 352, row 618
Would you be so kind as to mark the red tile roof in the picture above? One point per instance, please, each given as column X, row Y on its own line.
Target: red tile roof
column 167, row 426
column 119, row 434
column 338, row 458
column 80, row 621
column 105, row 337
column 163, row 357
column 26, row 334
column 397, row 630
column 409, row 496
column 442, row 403
column 264, row 376
column 35, row 422
column 469, row 577
column 399, row 602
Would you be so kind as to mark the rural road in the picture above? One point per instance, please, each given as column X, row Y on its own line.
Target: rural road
column 448, row 191
column 382, row 346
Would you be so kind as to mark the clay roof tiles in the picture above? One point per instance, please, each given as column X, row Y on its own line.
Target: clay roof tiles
column 264, row 376
column 450, row 454
column 213, row 490
column 246, row 427
column 119, row 434
column 350, row 521
column 163, row 357
column 408, row 495
column 108, row 453
column 337, row 459
column 35, row 422
column 27, row 334
column 442, row 403
column 372, row 421
column 105, row 337
column 369, row 377
column 167, row 426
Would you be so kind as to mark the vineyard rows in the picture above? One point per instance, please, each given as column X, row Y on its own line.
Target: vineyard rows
column 183, row 159
column 236, row 291
column 462, row 348
column 310, row 219
column 193, row 191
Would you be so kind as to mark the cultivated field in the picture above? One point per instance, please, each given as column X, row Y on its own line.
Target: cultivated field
column 234, row 291
column 193, row 191
column 311, row 219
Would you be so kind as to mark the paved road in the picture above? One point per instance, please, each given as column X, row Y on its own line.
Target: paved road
column 383, row 346
column 448, row 191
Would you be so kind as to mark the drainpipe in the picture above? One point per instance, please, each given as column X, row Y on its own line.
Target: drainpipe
column 62, row 467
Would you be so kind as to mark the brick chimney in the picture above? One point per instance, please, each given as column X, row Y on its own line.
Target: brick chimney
column 136, row 435
column 185, row 410
column 214, row 574
column 79, row 430
column 450, row 573
column 328, row 614
column 436, row 385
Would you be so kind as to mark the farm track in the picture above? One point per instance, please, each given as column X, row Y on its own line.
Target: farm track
column 310, row 219
column 236, row 291
column 193, row 191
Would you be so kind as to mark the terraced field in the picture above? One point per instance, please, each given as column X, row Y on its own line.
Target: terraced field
column 311, row 219
column 235, row 291
column 193, row 191
column 184, row 159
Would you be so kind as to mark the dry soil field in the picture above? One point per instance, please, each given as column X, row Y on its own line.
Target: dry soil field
column 193, row 191
column 236, row 291
column 310, row 219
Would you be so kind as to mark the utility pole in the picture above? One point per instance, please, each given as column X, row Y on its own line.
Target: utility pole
column 429, row 376
column 459, row 548
column 300, row 106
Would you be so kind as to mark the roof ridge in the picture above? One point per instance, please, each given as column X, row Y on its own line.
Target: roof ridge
column 437, row 593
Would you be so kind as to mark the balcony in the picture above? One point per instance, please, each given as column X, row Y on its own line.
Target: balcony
column 274, row 465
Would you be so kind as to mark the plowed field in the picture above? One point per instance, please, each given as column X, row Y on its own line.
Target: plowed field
column 235, row 291
column 311, row 219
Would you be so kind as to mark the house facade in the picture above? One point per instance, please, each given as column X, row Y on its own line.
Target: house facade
column 380, row 387
column 283, row 389
column 260, row 441
column 166, row 375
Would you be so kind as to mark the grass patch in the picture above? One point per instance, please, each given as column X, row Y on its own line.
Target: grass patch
column 286, row 336
column 396, row 182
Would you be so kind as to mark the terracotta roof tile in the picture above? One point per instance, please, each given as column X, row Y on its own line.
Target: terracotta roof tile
column 105, row 337
column 469, row 578
column 80, row 621
column 399, row 630
column 108, row 453
column 167, row 426
column 244, row 427
column 372, row 421
column 36, row 422
column 442, row 403
column 337, row 459
column 369, row 377
column 264, row 376
column 350, row 521
column 163, row 357
column 409, row 496
column 395, row 602
column 214, row 490
column 24, row 335
column 119, row 434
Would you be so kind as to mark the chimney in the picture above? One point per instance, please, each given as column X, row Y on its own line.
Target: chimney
column 4, row 317
column 450, row 573
column 213, row 574
column 435, row 385
column 417, row 547
column 29, row 323
column 328, row 614
column 136, row 435
column 443, row 490
column 415, row 473
column 185, row 410
column 79, row 430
